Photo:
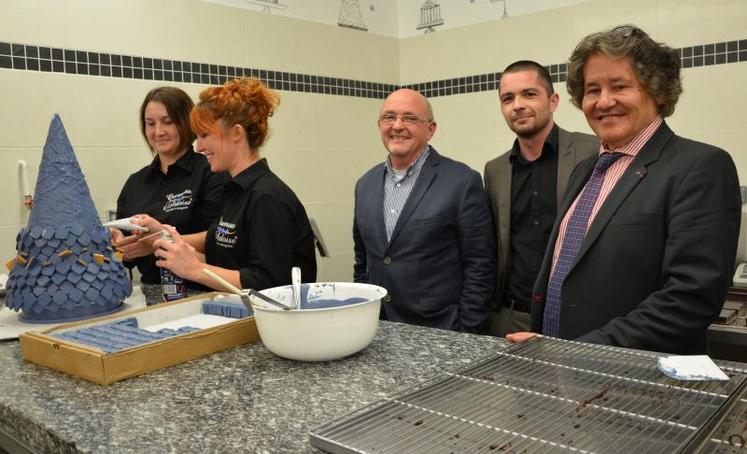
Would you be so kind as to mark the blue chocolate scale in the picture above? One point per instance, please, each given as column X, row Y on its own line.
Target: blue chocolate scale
column 119, row 335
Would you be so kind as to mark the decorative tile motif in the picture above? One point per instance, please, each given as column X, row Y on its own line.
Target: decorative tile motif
column 350, row 16
column 49, row 59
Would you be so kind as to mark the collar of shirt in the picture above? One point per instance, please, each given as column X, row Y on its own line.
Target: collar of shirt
column 184, row 163
column 550, row 146
column 247, row 177
column 414, row 168
column 634, row 146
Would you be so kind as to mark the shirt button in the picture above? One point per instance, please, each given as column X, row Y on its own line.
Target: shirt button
column 398, row 184
column 534, row 193
column 392, row 211
column 387, row 298
column 536, row 222
column 387, row 260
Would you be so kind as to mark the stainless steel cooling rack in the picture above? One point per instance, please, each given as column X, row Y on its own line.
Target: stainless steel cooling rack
column 550, row 395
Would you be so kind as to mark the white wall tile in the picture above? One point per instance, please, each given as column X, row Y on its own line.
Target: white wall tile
column 36, row 21
column 688, row 22
column 29, row 101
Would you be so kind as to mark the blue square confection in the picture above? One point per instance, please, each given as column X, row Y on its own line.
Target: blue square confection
column 43, row 300
column 63, row 266
column 75, row 295
column 84, row 239
column 92, row 294
column 62, row 232
column 59, row 298
column 77, row 268
column 35, row 268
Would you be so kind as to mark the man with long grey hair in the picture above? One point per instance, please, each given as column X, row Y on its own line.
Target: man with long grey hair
column 642, row 252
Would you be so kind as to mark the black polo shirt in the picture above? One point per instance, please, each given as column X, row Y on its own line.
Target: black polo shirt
column 533, row 210
column 263, row 231
column 189, row 197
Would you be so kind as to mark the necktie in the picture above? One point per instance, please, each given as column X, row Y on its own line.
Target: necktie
column 574, row 234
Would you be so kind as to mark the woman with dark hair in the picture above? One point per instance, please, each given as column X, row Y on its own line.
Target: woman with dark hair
column 263, row 230
column 177, row 187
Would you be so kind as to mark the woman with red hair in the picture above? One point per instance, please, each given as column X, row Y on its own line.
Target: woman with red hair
column 263, row 230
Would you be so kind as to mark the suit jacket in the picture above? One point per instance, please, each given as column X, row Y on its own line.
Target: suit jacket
column 439, row 265
column 656, row 263
column 573, row 147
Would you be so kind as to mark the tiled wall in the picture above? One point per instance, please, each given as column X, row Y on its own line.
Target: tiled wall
column 87, row 63
column 709, row 35
column 85, row 60
column 93, row 61
column 50, row 59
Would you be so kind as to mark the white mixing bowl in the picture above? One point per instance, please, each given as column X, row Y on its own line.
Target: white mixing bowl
column 320, row 334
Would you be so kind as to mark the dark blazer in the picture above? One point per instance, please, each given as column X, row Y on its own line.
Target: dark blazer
column 656, row 263
column 439, row 265
column 573, row 147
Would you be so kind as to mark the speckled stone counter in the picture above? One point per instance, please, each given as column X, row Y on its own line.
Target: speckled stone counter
column 241, row 400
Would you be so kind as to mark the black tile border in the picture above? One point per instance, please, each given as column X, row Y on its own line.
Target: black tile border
column 29, row 57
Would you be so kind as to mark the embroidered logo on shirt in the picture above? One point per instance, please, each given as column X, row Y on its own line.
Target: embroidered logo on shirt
column 225, row 234
column 180, row 201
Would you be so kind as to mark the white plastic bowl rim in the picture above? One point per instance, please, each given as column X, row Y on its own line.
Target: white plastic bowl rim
column 258, row 304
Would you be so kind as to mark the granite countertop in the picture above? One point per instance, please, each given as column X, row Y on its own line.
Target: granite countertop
column 244, row 399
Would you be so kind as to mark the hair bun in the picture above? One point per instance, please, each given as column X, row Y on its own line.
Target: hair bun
column 241, row 101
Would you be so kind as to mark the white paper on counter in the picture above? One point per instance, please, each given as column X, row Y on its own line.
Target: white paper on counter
column 691, row 367
column 11, row 327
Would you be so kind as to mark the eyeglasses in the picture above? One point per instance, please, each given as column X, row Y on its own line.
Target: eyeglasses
column 408, row 119
column 627, row 31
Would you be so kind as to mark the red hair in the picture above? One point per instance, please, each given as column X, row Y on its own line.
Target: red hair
column 246, row 102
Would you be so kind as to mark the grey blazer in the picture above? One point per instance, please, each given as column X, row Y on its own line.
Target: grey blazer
column 573, row 147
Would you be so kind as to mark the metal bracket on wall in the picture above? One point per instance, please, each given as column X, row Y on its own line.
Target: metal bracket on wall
column 320, row 245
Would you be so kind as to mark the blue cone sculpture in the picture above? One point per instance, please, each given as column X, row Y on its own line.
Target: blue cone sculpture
column 66, row 267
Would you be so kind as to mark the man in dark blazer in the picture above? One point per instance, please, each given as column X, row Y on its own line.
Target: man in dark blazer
column 656, row 260
column 525, row 186
column 422, row 228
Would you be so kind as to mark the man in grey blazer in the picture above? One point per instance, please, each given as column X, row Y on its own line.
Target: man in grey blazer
column 643, row 250
column 525, row 186
column 422, row 228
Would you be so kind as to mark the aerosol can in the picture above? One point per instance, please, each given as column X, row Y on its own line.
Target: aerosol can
column 172, row 286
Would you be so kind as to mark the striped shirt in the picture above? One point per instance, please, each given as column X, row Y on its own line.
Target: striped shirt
column 397, row 187
column 614, row 172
